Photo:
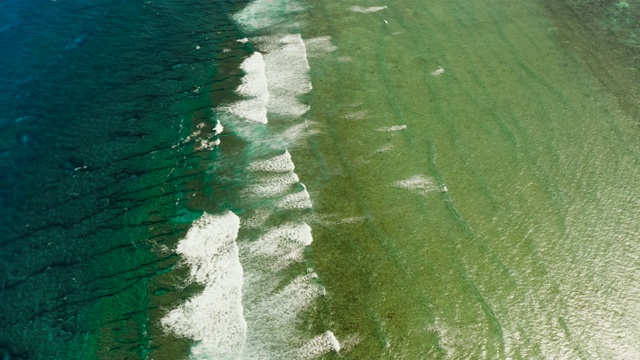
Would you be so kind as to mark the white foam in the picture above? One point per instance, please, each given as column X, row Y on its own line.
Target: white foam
column 287, row 73
column 392, row 128
column 385, row 149
column 286, row 178
column 250, row 130
column 207, row 144
column 273, row 85
column 254, row 82
column 358, row 115
column 272, row 14
column 192, row 136
column 218, row 129
column 319, row 46
column 254, row 86
column 280, row 163
column 352, row 220
column 243, row 40
column 367, row 10
column 273, row 185
column 438, row 71
column 299, row 200
column 419, row 184
column 333, row 340
column 204, row 141
column 273, row 314
column 283, row 245
column 349, row 342
column 256, row 220
column 214, row 317
column 319, row 346
column 296, row 133
column 296, row 296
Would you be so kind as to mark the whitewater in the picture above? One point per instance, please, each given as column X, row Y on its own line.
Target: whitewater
column 254, row 295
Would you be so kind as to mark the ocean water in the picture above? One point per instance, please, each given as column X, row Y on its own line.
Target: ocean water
column 102, row 165
column 288, row 179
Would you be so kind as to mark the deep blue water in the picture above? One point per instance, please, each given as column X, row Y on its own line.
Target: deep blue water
column 96, row 97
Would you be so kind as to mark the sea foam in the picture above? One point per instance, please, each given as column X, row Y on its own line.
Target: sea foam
column 283, row 245
column 254, row 87
column 287, row 73
column 392, row 128
column 385, row 149
column 272, row 14
column 319, row 46
column 207, row 144
column 214, row 317
column 281, row 308
column 218, row 129
column 273, row 315
column 319, row 346
column 298, row 200
column 437, row 72
column 419, row 184
column 274, row 185
column 280, row 163
column 358, row 115
column 275, row 80
column 297, row 133
column 367, row 10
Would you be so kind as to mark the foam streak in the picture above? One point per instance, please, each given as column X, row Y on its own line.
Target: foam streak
column 367, row 10
column 280, row 163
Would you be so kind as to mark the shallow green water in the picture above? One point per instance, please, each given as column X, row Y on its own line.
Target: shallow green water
column 532, row 251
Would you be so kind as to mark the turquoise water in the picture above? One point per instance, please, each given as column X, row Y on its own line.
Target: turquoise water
column 426, row 180
column 97, row 100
